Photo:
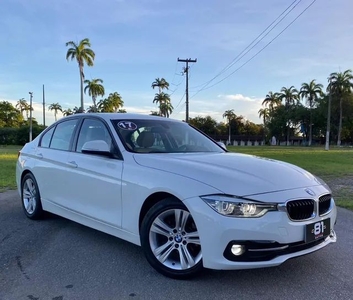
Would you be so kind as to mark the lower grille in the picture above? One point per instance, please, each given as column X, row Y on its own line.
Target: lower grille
column 324, row 204
column 300, row 209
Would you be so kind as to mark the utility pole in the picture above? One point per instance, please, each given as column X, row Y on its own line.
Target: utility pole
column 186, row 71
column 327, row 145
column 43, row 107
column 30, row 116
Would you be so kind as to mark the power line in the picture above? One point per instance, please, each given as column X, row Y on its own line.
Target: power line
column 257, row 53
column 181, row 108
column 237, row 58
column 181, row 99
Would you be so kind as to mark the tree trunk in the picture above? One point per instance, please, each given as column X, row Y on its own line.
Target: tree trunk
column 310, row 127
column 264, row 133
column 287, row 112
column 94, row 103
column 229, row 133
column 340, row 124
column 81, row 78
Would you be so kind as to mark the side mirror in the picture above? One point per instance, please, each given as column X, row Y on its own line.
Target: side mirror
column 222, row 145
column 98, row 147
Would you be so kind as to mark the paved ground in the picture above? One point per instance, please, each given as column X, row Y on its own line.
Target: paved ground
column 57, row 259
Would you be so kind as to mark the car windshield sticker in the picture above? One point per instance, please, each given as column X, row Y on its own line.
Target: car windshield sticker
column 127, row 125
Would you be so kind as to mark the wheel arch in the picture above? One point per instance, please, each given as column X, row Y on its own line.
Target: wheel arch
column 24, row 173
column 150, row 201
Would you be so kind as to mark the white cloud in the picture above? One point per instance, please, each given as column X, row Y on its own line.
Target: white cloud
column 243, row 105
column 239, row 97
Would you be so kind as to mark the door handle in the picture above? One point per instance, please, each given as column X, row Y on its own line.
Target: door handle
column 39, row 155
column 73, row 164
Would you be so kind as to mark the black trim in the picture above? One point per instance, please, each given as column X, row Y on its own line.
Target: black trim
column 251, row 256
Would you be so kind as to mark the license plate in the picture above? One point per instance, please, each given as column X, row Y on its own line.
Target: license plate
column 317, row 230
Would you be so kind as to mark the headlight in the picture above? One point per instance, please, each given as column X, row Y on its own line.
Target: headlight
column 235, row 207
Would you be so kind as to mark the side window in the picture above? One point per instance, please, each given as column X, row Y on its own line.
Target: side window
column 92, row 130
column 62, row 135
column 45, row 142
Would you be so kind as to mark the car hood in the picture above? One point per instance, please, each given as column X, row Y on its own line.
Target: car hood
column 232, row 173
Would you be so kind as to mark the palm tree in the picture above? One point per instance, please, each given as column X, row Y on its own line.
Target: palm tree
column 83, row 55
column 92, row 109
column 68, row 112
column 290, row 97
column 95, row 89
column 271, row 100
column 22, row 106
column 311, row 91
column 229, row 115
column 161, row 84
column 115, row 101
column 166, row 108
column 77, row 110
column 55, row 107
column 265, row 114
column 163, row 101
column 111, row 104
column 340, row 85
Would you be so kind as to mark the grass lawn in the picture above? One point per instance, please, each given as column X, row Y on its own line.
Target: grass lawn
column 8, row 156
column 329, row 165
column 332, row 163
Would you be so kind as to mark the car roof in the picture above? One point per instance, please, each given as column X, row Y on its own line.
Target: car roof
column 123, row 116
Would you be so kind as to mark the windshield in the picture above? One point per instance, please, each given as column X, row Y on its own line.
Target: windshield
column 162, row 136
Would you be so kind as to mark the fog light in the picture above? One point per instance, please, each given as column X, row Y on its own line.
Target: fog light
column 237, row 250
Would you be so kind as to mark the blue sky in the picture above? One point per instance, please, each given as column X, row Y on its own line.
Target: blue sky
column 137, row 41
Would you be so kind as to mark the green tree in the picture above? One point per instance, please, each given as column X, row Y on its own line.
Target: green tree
column 340, row 86
column 23, row 106
column 161, row 84
column 206, row 124
column 55, row 107
column 91, row 109
column 82, row 53
column 311, row 92
column 290, row 97
column 68, row 112
column 9, row 115
column 264, row 113
column 166, row 108
column 77, row 110
column 95, row 88
column 163, row 101
column 229, row 115
column 111, row 104
column 272, row 100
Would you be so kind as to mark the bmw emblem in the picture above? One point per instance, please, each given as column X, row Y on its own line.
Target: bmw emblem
column 310, row 192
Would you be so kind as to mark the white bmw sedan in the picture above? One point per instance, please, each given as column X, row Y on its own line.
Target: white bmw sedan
column 163, row 185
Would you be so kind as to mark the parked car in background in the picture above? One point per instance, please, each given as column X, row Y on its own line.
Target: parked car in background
column 163, row 185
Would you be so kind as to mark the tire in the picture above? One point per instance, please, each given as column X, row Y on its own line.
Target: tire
column 170, row 240
column 30, row 197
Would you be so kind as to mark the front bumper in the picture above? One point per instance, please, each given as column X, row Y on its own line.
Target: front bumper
column 277, row 237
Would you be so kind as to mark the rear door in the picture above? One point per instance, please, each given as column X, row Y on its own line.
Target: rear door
column 51, row 161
